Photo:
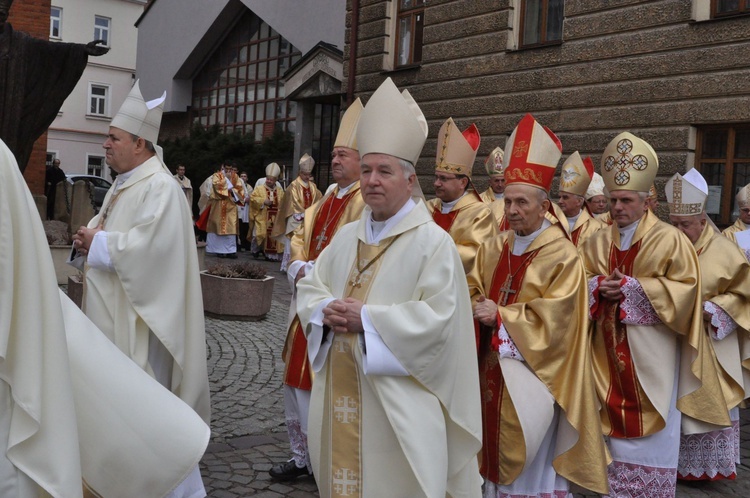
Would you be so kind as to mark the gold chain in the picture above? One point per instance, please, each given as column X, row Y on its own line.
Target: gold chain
column 356, row 281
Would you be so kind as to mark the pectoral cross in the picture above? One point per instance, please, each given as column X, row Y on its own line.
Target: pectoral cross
column 321, row 240
column 356, row 282
column 506, row 290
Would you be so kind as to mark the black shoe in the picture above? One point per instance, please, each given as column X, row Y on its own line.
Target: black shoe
column 258, row 255
column 232, row 255
column 287, row 471
column 221, row 255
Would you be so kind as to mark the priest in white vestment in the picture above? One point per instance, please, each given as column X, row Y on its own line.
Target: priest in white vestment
column 142, row 278
column 395, row 402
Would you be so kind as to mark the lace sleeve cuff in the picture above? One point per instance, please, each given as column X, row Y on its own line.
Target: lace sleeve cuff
column 722, row 323
column 594, row 295
column 506, row 346
column 635, row 304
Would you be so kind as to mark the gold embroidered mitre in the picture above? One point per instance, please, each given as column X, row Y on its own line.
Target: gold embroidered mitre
column 596, row 187
column 576, row 174
column 686, row 194
column 494, row 163
column 743, row 196
column 273, row 169
column 456, row 150
column 139, row 117
column 306, row 163
column 531, row 154
column 392, row 123
column 629, row 163
column 347, row 135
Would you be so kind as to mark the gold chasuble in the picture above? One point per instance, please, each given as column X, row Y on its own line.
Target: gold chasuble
column 417, row 434
column 265, row 217
column 542, row 303
column 634, row 365
column 323, row 220
column 297, row 198
column 469, row 223
column 738, row 226
column 497, row 206
column 222, row 219
column 585, row 226
column 725, row 281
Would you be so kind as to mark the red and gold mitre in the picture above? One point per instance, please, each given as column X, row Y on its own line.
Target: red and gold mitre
column 629, row 163
column 456, row 150
column 494, row 163
column 576, row 174
column 531, row 154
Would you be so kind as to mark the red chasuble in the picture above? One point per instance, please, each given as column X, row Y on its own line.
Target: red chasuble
column 444, row 221
column 306, row 197
column 506, row 281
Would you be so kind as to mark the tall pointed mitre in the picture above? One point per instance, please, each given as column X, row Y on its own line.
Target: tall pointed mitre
column 652, row 192
column 531, row 154
column 629, row 163
column 456, row 150
column 347, row 135
column 596, row 187
column 743, row 196
column 392, row 123
column 306, row 163
column 273, row 169
column 686, row 194
column 494, row 163
column 139, row 117
column 576, row 174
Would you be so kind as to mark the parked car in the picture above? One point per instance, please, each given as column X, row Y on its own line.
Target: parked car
column 101, row 186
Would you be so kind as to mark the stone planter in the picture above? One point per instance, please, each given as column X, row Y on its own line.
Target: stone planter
column 75, row 289
column 63, row 270
column 236, row 298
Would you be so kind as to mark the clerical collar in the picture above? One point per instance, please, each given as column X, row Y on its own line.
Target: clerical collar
column 524, row 241
column 626, row 235
column 123, row 177
column 180, row 177
column 499, row 196
column 376, row 231
column 573, row 219
column 344, row 190
column 448, row 206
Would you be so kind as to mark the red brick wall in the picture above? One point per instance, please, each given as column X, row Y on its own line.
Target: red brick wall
column 32, row 16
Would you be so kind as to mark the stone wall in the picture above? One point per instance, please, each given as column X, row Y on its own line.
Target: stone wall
column 636, row 65
column 32, row 16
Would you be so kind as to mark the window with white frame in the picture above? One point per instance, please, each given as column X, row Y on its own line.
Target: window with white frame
column 98, row 100
column 95, row 165
column 55, row 22
column 101, row 29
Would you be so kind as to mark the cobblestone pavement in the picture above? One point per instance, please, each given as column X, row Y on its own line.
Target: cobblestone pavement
column 248, row 429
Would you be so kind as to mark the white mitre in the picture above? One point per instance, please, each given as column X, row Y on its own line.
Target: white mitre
column 392, row 123
column 273, row 170
column 686, row 194
column 596, row 187
column 306, row 163
column 139, row 117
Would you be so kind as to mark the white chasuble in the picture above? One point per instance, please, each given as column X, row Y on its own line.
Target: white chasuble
column 415, row 434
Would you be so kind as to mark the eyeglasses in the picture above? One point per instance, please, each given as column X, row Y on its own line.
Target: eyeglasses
column 444, row 179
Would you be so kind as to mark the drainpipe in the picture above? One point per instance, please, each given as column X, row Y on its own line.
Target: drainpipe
column 353, row 32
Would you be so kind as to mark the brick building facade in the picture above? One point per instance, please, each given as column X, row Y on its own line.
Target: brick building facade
column 32, row 16
column 674, row 72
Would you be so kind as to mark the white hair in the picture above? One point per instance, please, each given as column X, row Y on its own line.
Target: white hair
column 407, row 167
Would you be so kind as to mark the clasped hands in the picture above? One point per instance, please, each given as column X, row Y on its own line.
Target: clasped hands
column 83, row 238
column 344, row 316
column 609, row 288
column 485, row 311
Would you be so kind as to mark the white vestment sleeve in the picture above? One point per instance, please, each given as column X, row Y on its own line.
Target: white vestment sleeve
column 294, row 268
column 317, row 347
column 98, row 257
column 377, row 358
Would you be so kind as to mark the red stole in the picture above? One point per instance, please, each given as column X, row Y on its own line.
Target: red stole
column 306, row 197
column 506, row 283
column 326, row 221
column 623, row 405
column 444, row 221
column 297, row 371
column 504, row 225
column 576, row 235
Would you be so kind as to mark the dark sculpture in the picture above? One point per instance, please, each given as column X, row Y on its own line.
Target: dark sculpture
column 36, row 76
